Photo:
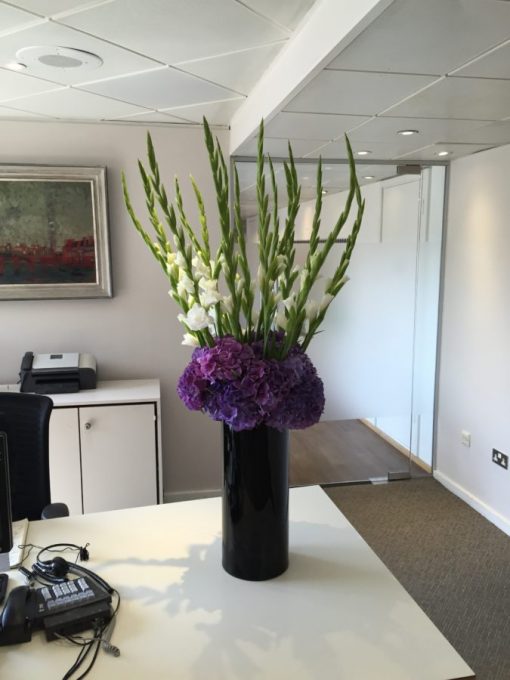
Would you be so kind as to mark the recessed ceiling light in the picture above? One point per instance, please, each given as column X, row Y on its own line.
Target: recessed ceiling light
column 53, row 56
column 443, row 153
column 407, row 133
column 368, row 177
column 15, row 66
column 363, row 153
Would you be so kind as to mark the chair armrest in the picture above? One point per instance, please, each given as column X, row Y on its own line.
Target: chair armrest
column 55, row 510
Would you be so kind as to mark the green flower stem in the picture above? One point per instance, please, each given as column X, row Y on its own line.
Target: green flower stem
column 278, row 274
column 247, row 297
column 203, row 223
column 220, row 177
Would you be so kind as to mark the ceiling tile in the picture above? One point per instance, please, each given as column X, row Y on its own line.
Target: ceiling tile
column 12, row 19
column 15, row 85
column 491, row 133
column 349, row 92
column 74, row 104
column 430, row 130
column 496, row 64
column 116, row 61
column 287, row 13
column 217, row 113
column 474, row 98
column 413, row 36
column 163, row 88
column 49, row 8
column 430, row 153
column 278, row 147
column 238, row 71
column 150, row 117
column 178, row 31
column 311, row 125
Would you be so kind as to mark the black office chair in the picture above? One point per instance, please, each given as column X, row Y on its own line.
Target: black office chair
column 25, row 419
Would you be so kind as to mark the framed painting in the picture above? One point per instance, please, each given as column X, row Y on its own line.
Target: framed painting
column 53, row 233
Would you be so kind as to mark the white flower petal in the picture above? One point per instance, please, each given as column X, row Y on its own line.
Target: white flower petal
column 311, row 309
column 190, row 340
column 197, row 318
column 326, row 301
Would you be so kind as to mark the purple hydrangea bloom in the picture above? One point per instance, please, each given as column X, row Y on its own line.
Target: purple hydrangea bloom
column 233, row 383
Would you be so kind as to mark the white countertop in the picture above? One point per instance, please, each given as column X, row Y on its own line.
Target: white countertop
column 336, row 614
column 106, row 392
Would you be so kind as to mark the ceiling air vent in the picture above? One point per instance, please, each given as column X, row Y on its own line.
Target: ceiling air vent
column 55, row 57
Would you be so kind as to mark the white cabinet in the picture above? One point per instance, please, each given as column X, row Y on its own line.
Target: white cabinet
column 105, row 447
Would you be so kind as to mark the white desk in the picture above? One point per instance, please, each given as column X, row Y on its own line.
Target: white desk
column 337, row 613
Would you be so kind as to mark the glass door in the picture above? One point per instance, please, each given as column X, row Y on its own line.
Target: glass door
column 377, row 347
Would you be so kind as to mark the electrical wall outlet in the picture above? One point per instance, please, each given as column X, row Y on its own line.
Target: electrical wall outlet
column 465, row 438
column 500, row 459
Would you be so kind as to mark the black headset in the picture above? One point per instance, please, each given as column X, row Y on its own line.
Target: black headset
column 57, row 569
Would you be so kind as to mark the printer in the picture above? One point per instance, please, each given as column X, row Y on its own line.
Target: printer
column 57, row 373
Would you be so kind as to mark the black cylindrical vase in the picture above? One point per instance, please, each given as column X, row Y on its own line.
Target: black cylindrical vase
column 255, row 502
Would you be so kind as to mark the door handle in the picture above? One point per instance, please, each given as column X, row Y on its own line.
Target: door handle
column 88, row 425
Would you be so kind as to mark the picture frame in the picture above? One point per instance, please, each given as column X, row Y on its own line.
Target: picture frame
column 54, row 240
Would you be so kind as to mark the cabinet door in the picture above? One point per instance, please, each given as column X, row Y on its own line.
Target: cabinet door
column 118, row 449
column 65, row 473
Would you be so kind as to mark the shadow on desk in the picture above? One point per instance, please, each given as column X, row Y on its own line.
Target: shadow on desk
column 299, row 621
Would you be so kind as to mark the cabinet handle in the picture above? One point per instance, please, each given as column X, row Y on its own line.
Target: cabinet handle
column 88, row 426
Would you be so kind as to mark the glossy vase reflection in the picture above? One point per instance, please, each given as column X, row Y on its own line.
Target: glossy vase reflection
column 255, row 503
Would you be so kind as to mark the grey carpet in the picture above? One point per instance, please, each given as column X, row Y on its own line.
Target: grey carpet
column 453, row 562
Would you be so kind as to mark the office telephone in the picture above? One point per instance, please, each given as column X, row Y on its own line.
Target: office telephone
column 60, row 609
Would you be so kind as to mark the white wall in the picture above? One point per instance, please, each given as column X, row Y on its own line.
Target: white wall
column 135, row 334
column 474, row 384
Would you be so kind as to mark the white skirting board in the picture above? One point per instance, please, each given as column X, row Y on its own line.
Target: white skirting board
column 489, row 513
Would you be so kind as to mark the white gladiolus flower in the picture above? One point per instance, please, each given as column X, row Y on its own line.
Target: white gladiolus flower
column 311, row 309
column 326, row 301
column 196, row 319
column 281, row 320
column 288, row 302
column 200, row 267
column 179, row 260
column 226, row 303
column 210, row 297
column 186, row 281
column 185, row 285
column 170, row 263
column 190, row 340
column 208, row 284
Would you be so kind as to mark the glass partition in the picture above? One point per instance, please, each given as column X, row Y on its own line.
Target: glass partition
column 376, row 351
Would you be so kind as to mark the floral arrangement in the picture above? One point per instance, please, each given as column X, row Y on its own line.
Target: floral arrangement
column 250, row 334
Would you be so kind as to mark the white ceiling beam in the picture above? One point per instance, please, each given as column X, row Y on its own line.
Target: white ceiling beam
column 330, row 26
